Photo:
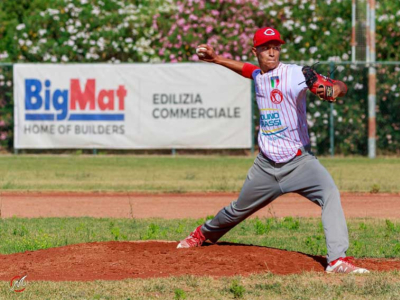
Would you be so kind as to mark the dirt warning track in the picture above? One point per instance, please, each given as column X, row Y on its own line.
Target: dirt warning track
column 178, row 206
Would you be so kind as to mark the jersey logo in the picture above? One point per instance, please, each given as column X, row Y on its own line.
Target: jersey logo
column 275, row 131
column 276, row 96
column 274, row 81
column 269, row 31
column 271, row 123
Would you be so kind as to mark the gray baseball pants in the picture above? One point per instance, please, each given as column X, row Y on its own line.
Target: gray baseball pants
column 267, row 180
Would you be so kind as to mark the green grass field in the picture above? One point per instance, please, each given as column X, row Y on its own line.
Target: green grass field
column 368, row 237
column 175, row 174
column 377, row 286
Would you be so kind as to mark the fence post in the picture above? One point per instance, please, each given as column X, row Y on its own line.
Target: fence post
column 371, row 81
column 353, row 30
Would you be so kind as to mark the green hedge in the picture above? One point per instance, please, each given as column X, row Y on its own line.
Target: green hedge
column 168, row 31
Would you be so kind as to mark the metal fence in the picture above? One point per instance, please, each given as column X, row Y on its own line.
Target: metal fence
column 339, row 128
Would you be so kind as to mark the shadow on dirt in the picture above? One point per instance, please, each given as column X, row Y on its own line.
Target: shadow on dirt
column 318, row 258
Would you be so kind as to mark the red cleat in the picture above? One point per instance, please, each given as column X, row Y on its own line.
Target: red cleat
column 195, row 239
column 344, row 265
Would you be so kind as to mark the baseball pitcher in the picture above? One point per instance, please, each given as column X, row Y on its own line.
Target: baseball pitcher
column 285, row 163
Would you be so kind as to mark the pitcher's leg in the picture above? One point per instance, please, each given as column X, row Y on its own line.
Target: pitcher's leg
column 314, row 182
column 334, row 222
column 259, row 189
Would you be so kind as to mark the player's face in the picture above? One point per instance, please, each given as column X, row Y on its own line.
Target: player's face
column 268, row 55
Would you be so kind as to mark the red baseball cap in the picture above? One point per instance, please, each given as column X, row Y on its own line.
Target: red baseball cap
column 265, row 35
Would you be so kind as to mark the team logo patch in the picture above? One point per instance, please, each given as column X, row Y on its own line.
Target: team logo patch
column 274, row 81
column 276, row 96
column 269, row 31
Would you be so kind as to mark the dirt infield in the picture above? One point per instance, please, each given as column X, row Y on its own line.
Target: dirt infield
column 178, row 206
column 121, row 260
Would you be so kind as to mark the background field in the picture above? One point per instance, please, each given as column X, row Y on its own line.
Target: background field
column 175, row 174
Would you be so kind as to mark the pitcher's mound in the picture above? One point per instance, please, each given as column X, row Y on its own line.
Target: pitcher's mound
column 120, row 260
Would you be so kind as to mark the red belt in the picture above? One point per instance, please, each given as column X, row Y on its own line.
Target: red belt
column 299, row 152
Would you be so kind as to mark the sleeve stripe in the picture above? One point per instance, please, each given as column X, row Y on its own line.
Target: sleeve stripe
column 248, row 70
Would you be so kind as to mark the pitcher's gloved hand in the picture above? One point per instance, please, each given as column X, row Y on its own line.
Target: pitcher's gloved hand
column 322, row 86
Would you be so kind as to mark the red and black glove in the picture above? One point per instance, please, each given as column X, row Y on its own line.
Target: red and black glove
column 316, row 81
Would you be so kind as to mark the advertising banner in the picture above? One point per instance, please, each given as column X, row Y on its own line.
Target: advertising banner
column 130, row 106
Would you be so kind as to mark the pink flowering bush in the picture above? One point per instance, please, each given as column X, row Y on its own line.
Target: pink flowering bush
column 6, row 108
column 87, row 31
column 388, row 30
column 227, row 25
column 312, row 29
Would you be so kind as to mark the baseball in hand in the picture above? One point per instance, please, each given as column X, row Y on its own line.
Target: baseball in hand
column 200, row 51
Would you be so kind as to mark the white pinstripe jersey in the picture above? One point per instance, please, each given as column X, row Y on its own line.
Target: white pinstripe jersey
column 282, row 104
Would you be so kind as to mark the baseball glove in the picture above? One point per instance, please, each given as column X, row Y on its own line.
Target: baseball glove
column 315, row 81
